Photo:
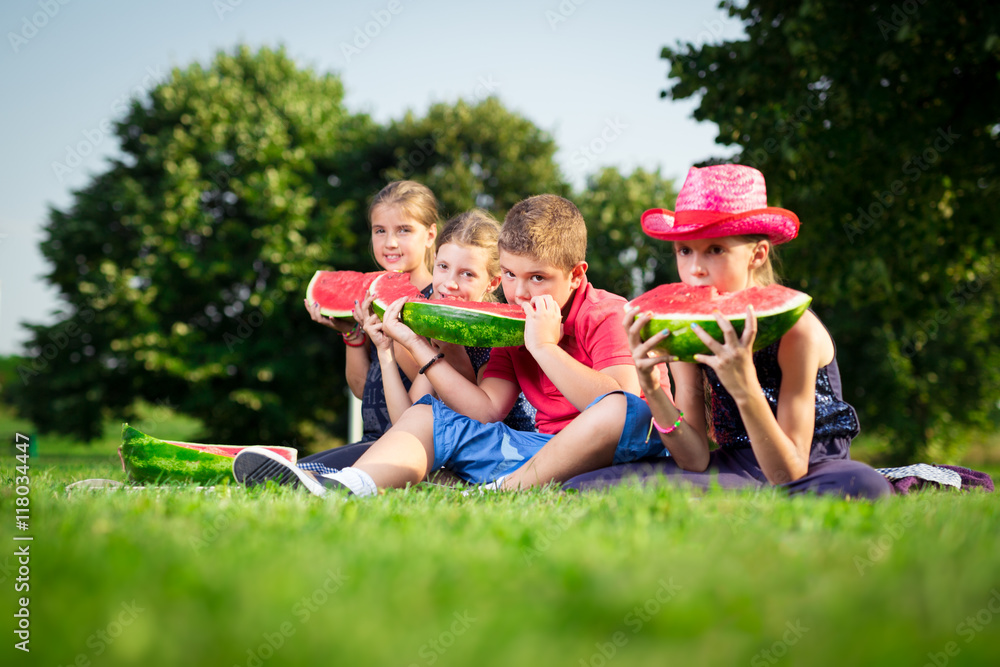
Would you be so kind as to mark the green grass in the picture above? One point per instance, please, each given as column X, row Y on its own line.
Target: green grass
column 426, row 576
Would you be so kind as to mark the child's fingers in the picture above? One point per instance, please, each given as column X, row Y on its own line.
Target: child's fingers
column 709, row 342
column 728, row 331
column 750, row 329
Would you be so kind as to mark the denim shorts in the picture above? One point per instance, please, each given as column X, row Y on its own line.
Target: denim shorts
column 480, row 453
column 638, row 440
column 477, row 452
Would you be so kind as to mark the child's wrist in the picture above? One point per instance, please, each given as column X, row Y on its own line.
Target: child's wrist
column 355, row 337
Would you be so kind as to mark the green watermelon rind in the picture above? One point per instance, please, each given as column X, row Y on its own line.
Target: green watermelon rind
column 683, row 343
column 449, row 322
column 151, row 460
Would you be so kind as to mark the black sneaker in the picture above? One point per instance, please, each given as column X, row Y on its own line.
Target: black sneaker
column 256, row 465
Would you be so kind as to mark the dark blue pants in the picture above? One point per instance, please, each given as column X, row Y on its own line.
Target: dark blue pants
column 339, row 457
column 738, row 469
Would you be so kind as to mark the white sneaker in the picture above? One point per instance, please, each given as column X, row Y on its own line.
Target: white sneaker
column 256, row 465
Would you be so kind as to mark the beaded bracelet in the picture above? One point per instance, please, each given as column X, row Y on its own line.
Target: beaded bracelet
column 430, row 363
column 351, row 335
column 360, row 342
column 672, row 427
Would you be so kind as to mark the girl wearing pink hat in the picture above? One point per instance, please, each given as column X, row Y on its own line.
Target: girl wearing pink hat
column 777, row 415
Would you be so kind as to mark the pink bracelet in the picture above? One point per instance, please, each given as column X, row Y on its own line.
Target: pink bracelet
column 672, row 427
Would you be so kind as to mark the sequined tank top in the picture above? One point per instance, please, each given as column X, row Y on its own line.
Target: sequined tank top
column 836, row 420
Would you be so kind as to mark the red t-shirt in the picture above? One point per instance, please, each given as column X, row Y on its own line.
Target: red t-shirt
column 592, row 334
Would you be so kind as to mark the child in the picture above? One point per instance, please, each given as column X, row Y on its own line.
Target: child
column 403, row 218
column 777, row 415
column 574, row 352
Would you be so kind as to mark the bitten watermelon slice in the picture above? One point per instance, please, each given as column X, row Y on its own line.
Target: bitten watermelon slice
column 474, row 323
column 677, row 306
column 335, row 291
column 149, row 459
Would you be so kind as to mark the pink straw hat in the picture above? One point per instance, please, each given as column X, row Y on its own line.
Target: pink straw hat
column 723, row 200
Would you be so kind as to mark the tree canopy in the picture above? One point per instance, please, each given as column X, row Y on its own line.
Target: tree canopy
column 183, row 265
column 879, row 124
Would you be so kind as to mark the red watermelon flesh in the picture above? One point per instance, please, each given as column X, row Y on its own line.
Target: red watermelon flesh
column 676, row 306
column 336, row 291
column 232, row 450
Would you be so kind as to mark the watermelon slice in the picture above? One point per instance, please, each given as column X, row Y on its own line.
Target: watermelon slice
column 149, row 459
column 475, row 323
column 677, row 306
column 335, row 291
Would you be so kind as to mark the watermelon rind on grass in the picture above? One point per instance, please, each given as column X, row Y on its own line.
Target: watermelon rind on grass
column 150, row 460
column 677, row 306
column 472, row 323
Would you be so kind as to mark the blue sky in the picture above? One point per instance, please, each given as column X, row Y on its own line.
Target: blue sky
column 573, row 67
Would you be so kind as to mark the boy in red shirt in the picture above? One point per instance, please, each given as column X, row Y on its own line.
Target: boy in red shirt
column 575, row 351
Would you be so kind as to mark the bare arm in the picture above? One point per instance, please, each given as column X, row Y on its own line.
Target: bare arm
column 781, row 444
column 688, row 443
column 357, row 361
column 579, row 383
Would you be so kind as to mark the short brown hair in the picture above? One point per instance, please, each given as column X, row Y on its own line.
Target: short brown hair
column 477, row 229
column 547, row 227
column 417, row 203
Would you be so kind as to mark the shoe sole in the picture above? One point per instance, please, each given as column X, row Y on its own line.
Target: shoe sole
column 255, row 466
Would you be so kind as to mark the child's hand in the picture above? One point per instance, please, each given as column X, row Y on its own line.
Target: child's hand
column 543, row 324
column 646, row 355
column 343, row 325
column 373, row 327
column 732, row 360
column 394, row 327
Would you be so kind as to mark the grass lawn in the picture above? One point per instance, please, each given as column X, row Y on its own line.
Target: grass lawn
column 426, row 576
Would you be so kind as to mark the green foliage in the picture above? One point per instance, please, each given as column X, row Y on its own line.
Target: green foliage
column 474, row 155
column 622, row 259
column 877, row 122
column 183, row 264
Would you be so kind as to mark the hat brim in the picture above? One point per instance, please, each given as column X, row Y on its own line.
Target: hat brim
column 778, row 224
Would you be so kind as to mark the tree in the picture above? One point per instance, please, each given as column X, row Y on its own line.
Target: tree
column 877, row 122
column 622, row 258
column 184, row 264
